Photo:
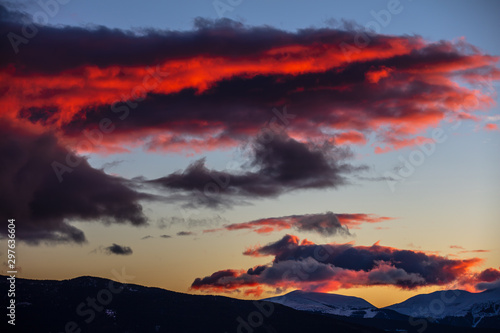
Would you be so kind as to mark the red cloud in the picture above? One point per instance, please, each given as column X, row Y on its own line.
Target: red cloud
column 491, row 127
column 475, row 281
column 376, row 75
column 353, row 221
column 195, row 94
column 353, row 137
column 328, row 267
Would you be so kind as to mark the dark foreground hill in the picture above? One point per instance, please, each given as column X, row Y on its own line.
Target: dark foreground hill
column 95, row 305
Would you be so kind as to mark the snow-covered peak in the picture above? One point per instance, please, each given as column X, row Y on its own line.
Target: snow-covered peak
column 326, row 303
column 455, row 303
column 438, row 305
column 327, row 299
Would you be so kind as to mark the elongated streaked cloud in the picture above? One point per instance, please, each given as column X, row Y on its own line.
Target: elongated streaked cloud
column 325, row 224
column 185, row 233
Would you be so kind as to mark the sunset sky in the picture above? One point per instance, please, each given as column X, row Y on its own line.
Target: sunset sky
column 250, row 148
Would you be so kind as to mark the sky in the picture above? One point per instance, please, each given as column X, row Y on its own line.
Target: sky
column 251, row 148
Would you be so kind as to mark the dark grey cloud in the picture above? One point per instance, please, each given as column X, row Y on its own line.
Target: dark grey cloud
column 44, row 207
column 282, row 165
column 118, row 249
column 185, row 233
column 326, row 224
column 105, row 47
column 488, row 285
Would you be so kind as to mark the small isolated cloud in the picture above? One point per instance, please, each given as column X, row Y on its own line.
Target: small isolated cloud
column 165, row 236
column 474, row 251
column 491, row 127
column 185, row 233
column 147, row 237
column 118, row 249
column 493, row 118
column 463, row 250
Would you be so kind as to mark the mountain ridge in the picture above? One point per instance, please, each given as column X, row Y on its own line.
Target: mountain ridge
column 49, row 306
